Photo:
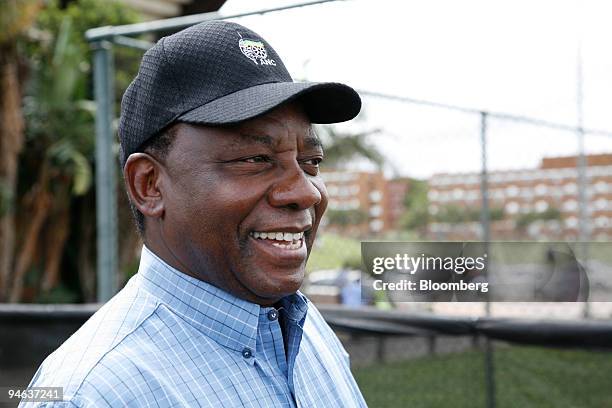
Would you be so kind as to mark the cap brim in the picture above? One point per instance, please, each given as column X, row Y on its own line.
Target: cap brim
column 327, row 102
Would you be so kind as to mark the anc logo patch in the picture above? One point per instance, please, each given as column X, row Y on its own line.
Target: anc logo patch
column 255, row 51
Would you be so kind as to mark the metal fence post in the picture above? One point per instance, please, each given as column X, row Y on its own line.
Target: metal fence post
column 106, row 203
column 486, row 237
column 485, row 216
column 581, row 167
column 484, row 180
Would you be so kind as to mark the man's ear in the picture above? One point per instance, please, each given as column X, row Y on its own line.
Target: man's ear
column 142, row 174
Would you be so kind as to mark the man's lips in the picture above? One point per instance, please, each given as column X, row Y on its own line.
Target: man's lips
column 281, row 245
column 289, row 240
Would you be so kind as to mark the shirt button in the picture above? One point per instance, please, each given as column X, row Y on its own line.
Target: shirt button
column 273, row 314
column 247, row 353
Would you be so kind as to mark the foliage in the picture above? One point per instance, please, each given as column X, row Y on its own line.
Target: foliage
column 550, row 213
column 346, row 217
column 455, row 214
column 58, row 105
column 59, row 294
column 341, row 147
column 56, row 167
column 333, row 251
column 416, row 205
column 56, row 119
column 15, row 16
column 6, row 198
column 86, row 14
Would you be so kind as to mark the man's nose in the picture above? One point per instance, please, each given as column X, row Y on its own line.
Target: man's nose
column 295, row 190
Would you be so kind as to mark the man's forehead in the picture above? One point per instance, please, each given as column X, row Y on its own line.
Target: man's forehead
column 270, row 129
column 309, row 138
column 284, row 124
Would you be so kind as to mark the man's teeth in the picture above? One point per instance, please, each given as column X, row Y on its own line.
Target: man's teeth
column 294, row 240
column 279, row 236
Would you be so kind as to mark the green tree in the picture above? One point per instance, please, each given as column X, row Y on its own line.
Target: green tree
column 551, row 213
column 455, row 214
column 16, row 17
column 346, row 217
column 342, row 147
column 416, row 204
column 54, row 194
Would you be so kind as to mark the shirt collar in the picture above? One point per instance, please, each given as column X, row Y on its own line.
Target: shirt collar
column 230, row 321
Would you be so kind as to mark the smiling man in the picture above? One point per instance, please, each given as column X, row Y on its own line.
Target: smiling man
column 221, row 166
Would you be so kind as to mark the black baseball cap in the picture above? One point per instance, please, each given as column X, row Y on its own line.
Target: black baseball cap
column 219, row 73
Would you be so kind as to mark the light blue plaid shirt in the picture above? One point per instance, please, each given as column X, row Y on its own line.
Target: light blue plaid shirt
column 168, row 339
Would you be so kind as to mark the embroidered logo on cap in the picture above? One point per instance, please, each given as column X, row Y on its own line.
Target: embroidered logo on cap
column 255, row 51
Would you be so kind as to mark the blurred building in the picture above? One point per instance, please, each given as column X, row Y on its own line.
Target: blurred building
column 363, row 203
column 530, row 203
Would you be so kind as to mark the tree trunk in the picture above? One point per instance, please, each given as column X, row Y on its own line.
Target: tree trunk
column 11, row 143
column 55, row 242
column 39, row 199
column 86, row 258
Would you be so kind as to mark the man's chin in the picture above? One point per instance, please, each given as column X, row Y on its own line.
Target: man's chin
column 274, row 284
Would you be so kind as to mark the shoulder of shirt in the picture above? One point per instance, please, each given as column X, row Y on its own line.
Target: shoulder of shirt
column 71, row 364
column 316, row 325
column 314, row 316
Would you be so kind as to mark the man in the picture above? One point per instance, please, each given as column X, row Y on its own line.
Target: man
column 222, row 169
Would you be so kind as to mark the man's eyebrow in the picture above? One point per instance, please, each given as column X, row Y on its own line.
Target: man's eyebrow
column 254, row 138
column 312, row 140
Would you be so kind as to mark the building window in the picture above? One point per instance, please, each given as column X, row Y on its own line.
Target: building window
column 512, row 191
column 513, row 207
column 375, row 196
column 473, row 195
column 570, row 205
column 601, row 187
column 375, row 211
column 541, row 206
column 571, row 222
column 601, row 204
column 602, row 222
column 570, row 188
column 376, row 225
column 541, row 189
column 497, row 193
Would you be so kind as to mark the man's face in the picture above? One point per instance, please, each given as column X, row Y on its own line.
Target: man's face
column 242, row 204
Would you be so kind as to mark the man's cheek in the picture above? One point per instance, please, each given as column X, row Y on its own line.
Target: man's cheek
column 322, row 206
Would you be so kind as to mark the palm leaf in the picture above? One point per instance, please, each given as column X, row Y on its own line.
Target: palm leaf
column 342, row 147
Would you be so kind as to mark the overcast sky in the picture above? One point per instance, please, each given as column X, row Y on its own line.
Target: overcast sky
column 517, row 57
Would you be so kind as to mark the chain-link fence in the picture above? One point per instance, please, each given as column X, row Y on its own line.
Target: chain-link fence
column 540, row 183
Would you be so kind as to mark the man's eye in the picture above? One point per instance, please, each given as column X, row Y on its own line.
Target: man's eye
column 257, row 159
column 313, row 162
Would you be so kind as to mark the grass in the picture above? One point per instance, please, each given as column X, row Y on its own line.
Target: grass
column 524, row 377
column 333, row 251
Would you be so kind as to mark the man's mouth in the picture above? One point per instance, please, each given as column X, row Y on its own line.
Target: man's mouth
column 283, row 240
